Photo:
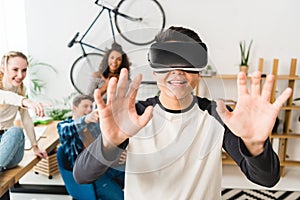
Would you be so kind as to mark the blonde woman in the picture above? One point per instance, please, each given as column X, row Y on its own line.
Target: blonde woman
column 12, row 73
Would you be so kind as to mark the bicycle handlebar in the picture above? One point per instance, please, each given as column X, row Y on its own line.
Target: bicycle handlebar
column 99, row 3
column 71, row 43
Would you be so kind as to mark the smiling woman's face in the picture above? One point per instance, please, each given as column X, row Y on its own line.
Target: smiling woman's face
column 114, row 61
column 15, row 71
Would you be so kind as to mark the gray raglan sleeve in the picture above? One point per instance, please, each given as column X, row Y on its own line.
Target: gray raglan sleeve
column 93, row 161
column 263, row 169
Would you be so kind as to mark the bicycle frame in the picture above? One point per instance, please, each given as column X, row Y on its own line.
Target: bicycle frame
column 135, row 19
column 109, row 10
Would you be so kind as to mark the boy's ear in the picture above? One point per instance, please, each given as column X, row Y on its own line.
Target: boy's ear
column 74, row 108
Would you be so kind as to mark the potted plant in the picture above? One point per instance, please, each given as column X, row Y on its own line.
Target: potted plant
column 35, row 84
column 245, row 53
column 62, row 108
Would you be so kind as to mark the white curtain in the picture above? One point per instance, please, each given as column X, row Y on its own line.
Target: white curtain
column 12, row 26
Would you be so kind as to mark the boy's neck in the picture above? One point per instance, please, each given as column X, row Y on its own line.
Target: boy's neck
column 175, row 103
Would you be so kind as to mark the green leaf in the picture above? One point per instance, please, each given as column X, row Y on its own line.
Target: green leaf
column 36, row 85
column 59, row 114
column 245, row 52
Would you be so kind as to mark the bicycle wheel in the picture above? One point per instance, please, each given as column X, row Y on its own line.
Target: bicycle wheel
column 139, row 32
column 82, row 70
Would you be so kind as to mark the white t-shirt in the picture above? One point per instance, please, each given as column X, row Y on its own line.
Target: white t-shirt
column 185, row 148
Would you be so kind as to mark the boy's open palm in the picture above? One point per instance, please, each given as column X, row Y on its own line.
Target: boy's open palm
column 118, row 117
column 254, row 116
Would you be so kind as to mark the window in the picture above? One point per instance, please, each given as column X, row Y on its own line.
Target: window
column 13, row 26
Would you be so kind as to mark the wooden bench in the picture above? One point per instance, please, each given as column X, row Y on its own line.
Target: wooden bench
column 48, row 141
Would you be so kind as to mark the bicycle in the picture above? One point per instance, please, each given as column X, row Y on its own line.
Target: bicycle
column 128, row 18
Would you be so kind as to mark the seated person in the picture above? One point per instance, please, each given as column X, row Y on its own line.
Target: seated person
column 80, row 130
column 113, row 61
column 13, row 70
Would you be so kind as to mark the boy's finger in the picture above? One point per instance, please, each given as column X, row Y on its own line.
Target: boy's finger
column 242, row 84
column 282, row 98
column 267, row 88
column 255, row 83
column 111, row 89
column 122, row 83
column 98, row 99
column 221, row 109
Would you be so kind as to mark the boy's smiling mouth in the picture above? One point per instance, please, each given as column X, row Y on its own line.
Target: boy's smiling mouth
column 177, row 82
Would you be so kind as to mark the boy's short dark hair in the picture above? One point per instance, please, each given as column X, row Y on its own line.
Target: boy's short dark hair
column 77, row 100
column 175, row 33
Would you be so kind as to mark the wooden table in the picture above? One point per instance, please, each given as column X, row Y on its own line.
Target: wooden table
column 48, row 141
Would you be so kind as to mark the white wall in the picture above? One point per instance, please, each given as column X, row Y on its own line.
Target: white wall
column 272, row 24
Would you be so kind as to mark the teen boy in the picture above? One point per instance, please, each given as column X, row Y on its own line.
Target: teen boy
column 174, row 141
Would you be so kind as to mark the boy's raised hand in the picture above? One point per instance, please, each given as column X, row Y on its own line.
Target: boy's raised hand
column 92, row 117
column 254, row 116
column 118, row 117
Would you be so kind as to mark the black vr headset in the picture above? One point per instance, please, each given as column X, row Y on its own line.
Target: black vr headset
column 187, row 56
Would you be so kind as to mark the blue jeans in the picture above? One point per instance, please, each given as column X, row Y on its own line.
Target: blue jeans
column 110, row 185
column 11, row 147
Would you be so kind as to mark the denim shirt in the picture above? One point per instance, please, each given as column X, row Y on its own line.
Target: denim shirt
column 70, row 136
